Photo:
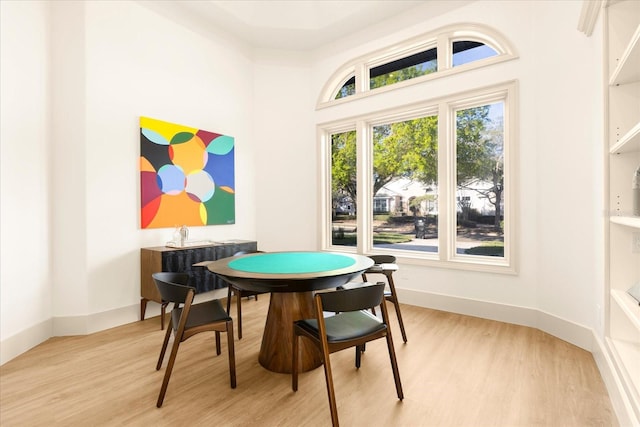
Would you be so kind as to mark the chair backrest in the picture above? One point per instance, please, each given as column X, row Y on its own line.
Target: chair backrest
column 383, row 259
column 360, row 298
column 172, row 286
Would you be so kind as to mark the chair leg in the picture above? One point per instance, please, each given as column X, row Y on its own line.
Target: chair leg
column 232, row 354
column 359, row 351
column 164, row 345
column 167, row 372
column 394, row 367
column 396, row 305
column 218, row 349
column 229, row 294
column 239, row 308
column 333, row 407
column 163, row 310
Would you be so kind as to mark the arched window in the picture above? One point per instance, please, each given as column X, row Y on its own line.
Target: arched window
column 435, row 54
column 427, row 178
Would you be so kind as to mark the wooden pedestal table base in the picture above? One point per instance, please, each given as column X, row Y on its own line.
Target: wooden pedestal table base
column 277, row 340
column 290, row 278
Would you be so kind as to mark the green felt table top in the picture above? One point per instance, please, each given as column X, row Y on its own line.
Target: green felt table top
column 291, row 262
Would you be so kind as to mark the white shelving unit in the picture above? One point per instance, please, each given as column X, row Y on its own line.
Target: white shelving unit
column 622, row 36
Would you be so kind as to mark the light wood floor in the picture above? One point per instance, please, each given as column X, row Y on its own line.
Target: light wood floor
column 456, row 371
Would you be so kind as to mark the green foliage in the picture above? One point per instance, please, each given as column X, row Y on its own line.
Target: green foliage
column 404, row 74
column 409, row 149
column 405, row 149
column 479, row 150
column 343, row 167
column 346, row 90
column 487, row 249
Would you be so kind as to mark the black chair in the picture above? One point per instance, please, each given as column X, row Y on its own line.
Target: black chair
column 386, row 265
column 352, row 326
column 188, row 319
column 240, row 293
column 181, row 279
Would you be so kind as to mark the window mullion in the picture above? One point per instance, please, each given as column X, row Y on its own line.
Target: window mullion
column 444, row 53
column 365, row 184
column 446, row 181
column 362, row 78
column 325, row 178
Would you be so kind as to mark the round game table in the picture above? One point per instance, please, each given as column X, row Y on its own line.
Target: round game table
column 291, row 278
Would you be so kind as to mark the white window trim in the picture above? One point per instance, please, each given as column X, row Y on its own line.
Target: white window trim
column 441, row 38
column 444, row 107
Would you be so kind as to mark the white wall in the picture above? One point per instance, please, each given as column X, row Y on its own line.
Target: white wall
column 115, row 61
column 112, row 63
column 559, row 165
column 140, row 63
column 25, row 141
column 285, row 146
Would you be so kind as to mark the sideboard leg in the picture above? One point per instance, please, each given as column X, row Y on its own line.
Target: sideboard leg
column 143, row 307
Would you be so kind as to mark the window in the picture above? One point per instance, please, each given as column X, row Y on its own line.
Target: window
column 480, row 180
column 418, row 59
column 428, row 181
column 406, row 68
column 343, row 188
column 347, row 89
column 405, row 163
column 468, row 51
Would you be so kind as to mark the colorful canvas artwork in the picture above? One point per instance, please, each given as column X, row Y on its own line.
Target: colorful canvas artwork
column 186, row 176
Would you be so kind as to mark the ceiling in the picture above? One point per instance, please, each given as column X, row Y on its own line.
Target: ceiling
column 292, row 24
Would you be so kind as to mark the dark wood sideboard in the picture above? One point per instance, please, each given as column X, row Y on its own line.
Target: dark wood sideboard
column 181, row 260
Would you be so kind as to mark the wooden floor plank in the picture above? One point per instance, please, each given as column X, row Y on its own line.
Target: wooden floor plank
column 456, row 371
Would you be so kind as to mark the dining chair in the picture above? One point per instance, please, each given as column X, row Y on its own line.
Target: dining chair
column 188, row 319
column 181, row 279
column 352, row 326
column 386, row 265
column 240, row 293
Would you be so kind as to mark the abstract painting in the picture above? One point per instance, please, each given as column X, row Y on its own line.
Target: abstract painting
column 186, row 176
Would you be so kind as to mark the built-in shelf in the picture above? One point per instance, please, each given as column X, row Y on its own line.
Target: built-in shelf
column 629, row 143
column 627, row 355
column 622, row 57
column 628, row 68
column 629, row 221
column 629, row 306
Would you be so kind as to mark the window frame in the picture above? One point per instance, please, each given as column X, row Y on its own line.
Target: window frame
column 441, row 38
column 444, row 107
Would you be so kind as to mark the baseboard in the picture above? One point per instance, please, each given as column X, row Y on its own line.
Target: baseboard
column 66, row 326
column 24, row 341
column 566, row 330
column 82, row 325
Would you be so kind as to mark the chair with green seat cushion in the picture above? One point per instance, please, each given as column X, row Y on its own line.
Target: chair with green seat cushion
column 352, row 326
column 188, row 319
